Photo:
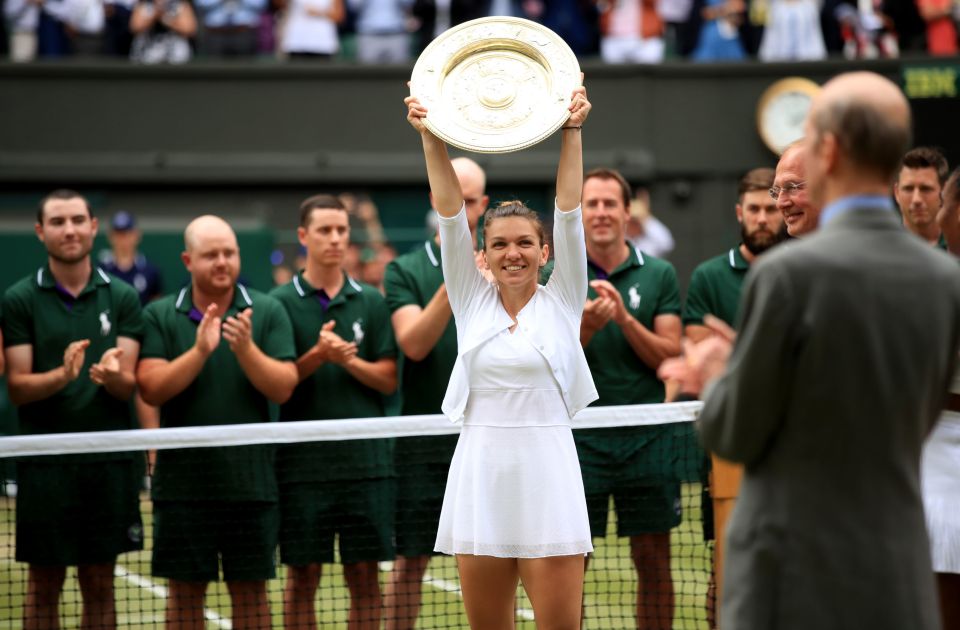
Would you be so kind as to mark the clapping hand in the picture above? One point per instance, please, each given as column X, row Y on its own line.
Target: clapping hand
column 238, row 331
column 597, row 312
column 703, row 361
column 608, row 292
column 108, row 369
column 208, row 331
column 333, row 348
column 73, row 358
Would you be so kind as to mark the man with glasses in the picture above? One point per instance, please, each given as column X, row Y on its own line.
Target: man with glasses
column 918, row 191
column 789, row 191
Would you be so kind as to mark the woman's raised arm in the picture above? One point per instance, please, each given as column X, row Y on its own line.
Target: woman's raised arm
column 570, row 169
column 444, row 185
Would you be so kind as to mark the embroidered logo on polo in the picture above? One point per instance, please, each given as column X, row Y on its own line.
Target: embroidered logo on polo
column 634, row 295
column 358, row 331
column 105, row 325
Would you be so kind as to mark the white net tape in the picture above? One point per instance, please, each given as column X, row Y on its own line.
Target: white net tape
column 313, row 430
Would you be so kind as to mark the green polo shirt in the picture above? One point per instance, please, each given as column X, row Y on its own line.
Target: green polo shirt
column 329, row 393
column 221, row 394
column 715, row 288
column 414, row 278
column 38, row 313
column 649, row 288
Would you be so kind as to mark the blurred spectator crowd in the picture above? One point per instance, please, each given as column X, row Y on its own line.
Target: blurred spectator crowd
column 395, row 31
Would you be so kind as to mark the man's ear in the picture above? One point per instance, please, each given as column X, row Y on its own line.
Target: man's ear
column 829, row 150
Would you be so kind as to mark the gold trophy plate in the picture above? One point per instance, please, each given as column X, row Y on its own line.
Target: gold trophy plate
column 496, row 84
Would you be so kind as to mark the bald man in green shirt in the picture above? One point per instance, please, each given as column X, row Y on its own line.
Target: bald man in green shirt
column 216, row 352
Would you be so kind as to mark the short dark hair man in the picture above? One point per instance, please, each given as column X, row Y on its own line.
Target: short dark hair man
column 918, row 191
column 631, row 323
column 423, row 324
column 72, row 339
column 347, row 362
column 215, row 352
column 828, row 403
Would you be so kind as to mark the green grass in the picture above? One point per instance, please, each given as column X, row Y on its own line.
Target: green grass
column 610, row 589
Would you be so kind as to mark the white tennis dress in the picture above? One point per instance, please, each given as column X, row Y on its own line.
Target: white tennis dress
column 514, row 488
column 940, row 481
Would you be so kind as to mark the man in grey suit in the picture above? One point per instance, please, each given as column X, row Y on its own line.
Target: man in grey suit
column 847, row 344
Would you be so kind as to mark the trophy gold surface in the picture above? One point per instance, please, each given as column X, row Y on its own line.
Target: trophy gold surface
column 496, row 84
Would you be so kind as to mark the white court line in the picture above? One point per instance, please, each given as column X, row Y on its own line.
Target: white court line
column 451, row 587
column 162, row 592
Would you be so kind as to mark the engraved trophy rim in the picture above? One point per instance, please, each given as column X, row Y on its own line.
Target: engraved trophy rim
column 445, row 80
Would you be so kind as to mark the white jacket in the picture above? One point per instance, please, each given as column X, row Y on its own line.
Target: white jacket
column 551, row 318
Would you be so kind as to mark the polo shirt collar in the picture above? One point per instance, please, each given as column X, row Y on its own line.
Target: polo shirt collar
column 305, row 289
column 736, row 259
column 634, row 259
column 98, row 278
column 433, row 252
column 184, row 303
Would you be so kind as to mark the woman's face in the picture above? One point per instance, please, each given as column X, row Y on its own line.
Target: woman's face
column 513, row 252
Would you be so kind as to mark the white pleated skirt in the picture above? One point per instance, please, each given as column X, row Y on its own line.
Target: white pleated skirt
column 940, row 481
column 514, row 492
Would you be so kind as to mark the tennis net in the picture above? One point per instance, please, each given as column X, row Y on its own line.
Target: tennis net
column 648, row 459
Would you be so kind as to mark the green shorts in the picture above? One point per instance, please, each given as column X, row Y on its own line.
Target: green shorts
column 358, row 511
column 193, row 540
column 638, row 467
column 78, row 513
column 640, row 509
column 420, row 489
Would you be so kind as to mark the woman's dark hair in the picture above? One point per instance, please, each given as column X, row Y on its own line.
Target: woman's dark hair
column 513, row 209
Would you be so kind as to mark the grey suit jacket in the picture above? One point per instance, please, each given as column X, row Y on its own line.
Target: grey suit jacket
column 847, row 344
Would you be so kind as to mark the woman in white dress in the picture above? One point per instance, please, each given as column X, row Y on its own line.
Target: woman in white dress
column 514, row 507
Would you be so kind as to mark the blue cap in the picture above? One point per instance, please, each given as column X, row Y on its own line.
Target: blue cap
column 123, row 221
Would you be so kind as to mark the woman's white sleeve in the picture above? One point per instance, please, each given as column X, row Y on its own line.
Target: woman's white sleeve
column 460, row 273
column 569, row 278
